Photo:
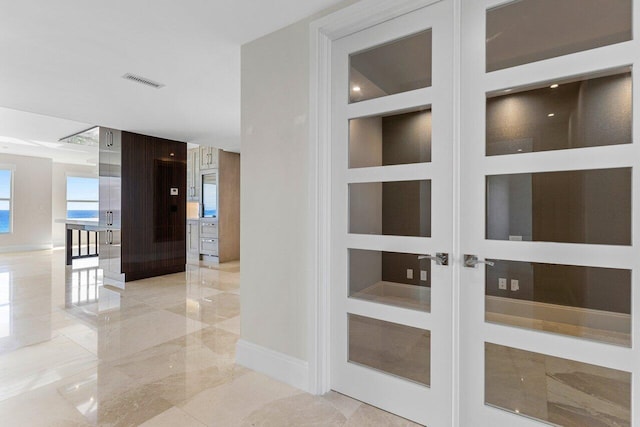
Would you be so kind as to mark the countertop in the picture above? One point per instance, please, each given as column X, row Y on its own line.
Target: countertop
column 82, row 224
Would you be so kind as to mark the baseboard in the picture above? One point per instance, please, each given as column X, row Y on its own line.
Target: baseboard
column 281, row 367
column 26, row 248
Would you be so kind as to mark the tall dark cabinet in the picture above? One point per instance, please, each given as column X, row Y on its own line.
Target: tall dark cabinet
column 154, row 174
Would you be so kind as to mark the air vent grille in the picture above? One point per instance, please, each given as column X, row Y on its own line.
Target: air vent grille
column 142, row 80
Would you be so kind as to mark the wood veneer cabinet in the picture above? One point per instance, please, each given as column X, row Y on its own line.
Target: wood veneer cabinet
column 154, row 177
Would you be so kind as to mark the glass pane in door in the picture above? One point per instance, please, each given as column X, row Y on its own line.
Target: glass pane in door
column 399, row 66
column 393, row 278
column 559, row 391
column 400, row 208
column 575, row 113
column 584, row 206
column 525, row 31
column 390, row 139
column 587, row 302
column 400, row 350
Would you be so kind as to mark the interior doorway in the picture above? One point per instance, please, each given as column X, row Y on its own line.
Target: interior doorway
column 483, row 212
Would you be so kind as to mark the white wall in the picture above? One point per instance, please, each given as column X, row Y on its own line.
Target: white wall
column 31, row 204
column 274, row 189
column 59, row 195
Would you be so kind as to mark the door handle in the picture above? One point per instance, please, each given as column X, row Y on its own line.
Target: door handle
column 472, row 261
column 440, row 258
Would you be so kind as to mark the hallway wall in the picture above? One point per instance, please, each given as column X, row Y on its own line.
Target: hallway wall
column 275, row 214
column 31, row 210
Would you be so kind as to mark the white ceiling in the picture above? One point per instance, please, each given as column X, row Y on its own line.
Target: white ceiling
column 65, row 59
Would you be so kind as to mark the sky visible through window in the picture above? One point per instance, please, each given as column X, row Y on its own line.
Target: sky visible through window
column 82, row 198
column 5, row 201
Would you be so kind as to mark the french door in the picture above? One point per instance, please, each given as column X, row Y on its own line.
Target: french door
column 392, row 216
column 485, row 230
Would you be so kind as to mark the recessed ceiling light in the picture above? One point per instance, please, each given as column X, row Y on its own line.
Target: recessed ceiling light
column 171, row 154
column 555, row 85
column 356, row 88
column 550, row 115
column 508, row 90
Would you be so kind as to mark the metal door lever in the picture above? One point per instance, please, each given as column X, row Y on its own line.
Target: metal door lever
column 440, row 258
column 472, row 261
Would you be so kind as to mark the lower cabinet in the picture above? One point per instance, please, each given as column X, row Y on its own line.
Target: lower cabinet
column 193, row 241
column 209, row 237
column 209, row 247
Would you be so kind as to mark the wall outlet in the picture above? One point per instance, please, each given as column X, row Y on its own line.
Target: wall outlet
column 502, row 283
column 515, row 285
column 423, row 275
column 409, row 273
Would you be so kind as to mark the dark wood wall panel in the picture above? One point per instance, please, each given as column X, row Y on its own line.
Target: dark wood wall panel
column 153, row 220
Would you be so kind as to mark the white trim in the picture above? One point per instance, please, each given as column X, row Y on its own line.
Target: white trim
column 279, row 366
column 323, row 32
column 25, row 248
column 456, row 309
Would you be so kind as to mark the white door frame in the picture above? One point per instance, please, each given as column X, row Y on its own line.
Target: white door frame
column 323, row 32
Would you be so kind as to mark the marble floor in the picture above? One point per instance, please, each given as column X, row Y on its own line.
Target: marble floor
column 160, row 353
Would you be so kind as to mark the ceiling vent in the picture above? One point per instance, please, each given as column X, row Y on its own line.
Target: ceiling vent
column 142, row 80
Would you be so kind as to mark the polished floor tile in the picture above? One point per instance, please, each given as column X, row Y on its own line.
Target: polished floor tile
column 159, row 353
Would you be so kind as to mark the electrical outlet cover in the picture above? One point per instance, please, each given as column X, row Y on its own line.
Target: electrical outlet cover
column 409, row 273
column 423, row 275
column 502, row 283
column 515, row 285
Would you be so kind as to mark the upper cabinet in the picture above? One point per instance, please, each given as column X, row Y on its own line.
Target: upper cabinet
column 193, row 175
column 208, row 157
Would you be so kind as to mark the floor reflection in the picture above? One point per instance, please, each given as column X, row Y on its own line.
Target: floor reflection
column 161, row 352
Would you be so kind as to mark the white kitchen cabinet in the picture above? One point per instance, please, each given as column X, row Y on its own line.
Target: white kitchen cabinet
column 193, row 241
column 208, row 157
column 193, row 175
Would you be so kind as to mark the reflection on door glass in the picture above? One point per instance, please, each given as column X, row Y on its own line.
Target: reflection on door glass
column 382, row 277
column 390, row 139
column 525, row 31
column 399, row 66
column 559, row 391
column 585, row 206
column 400, row 208
column 587, row 302
column 400, row 350
column 560, row 115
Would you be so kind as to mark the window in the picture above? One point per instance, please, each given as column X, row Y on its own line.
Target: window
column 82, row 198
column 6, row 175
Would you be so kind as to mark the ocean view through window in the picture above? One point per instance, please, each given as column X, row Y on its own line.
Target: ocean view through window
column 5, row 200
column 82, row 198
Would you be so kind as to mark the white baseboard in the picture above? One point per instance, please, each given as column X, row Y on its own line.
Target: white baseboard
column 25, row 248
column 279, row 366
